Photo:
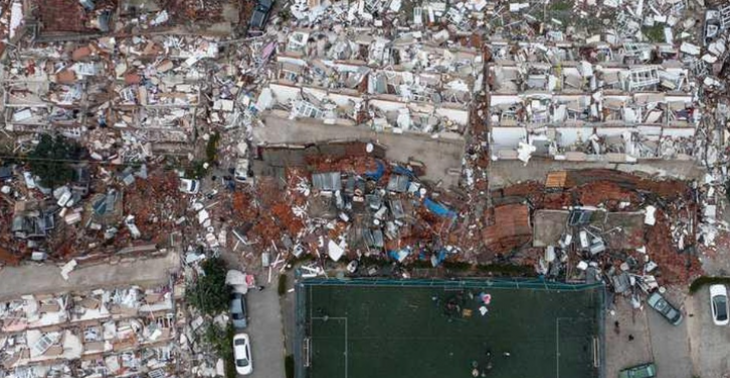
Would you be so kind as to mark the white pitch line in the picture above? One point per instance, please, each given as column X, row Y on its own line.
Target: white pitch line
column 346, row 351
column 557, row 348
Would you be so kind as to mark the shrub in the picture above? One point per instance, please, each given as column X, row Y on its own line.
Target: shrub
column 221, row 340
column 196, row 170
column 508, row 269
column 282, row 284
column 52, row 158
column 289, row 366
column 211, row 149
column 702, row 281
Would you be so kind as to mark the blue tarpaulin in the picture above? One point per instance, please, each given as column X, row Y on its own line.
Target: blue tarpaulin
column 399, row 255
column 378, row 172
column 438, row 257
column 403, row 171
column 438, row 208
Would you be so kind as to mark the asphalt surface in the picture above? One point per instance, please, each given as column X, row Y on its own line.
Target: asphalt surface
column 710, row 343
column 695, row 348
column 670, row 344
column 621, row 352
column 265, row 331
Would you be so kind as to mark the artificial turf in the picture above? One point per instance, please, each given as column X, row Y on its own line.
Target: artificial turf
column 385, row 331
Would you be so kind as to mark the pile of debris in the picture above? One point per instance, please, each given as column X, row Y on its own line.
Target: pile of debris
column 121, row 213
column 114, row 332
column 345, row 208
column 607, row 223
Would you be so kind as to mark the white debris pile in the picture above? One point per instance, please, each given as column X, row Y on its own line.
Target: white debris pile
column 133, row 328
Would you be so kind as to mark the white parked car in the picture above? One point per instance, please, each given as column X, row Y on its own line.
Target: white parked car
column 719, row 304
column 242, row 354
column 189, row 186
column 241, row 171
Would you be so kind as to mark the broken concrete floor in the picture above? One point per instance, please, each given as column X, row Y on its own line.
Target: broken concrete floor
column 43, row 279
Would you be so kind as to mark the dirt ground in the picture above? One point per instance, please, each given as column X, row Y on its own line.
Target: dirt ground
column 620, row 352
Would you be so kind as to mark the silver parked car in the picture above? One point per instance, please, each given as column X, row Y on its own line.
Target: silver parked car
column 239, row 313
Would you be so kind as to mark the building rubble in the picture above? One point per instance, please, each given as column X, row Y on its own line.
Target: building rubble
column 511, row 80
column 103, row 332
column 289, row 146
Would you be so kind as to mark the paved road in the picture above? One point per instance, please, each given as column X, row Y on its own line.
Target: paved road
column 265, row 330
column 670, row 343
column 620, row 351
column 46, row 278
column 710, row 343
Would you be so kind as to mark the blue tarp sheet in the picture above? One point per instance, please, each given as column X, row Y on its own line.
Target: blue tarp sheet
column 403, row 171
column 399, row 255
column 438, row 209
column 378, row 172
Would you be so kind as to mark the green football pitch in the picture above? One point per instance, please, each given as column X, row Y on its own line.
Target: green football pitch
column 393, row 331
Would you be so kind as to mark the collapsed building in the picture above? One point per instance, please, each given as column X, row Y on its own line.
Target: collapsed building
column 401, row 82
column 618, row 107
column 102, row 332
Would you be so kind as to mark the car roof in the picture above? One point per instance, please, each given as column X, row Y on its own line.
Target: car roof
column 654, row 298
column 236, row 305
column 642, row 371
column 718, row 290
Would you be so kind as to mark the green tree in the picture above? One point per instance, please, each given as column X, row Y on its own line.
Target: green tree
column 210, row 294
column 221, row 339
column 52, row 158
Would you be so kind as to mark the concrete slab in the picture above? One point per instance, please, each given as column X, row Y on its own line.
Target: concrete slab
column 549, row 226
column 46, row 278
column 507, row 172
column 439, row 155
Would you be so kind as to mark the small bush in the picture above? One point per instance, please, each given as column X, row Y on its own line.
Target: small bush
column 196, row 170
column 52, row 158
column 211, row 149
column 289, row 366
column 222, row 342
column 370, row 260
column 508, row 269
column 457, row 265
column 700, row 282
column 282, row 284
column 654, row 33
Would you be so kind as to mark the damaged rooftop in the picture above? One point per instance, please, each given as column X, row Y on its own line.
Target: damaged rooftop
column 570, row 141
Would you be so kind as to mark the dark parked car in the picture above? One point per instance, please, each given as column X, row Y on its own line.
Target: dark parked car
column 261, row 13
column 239, row 313
column 657, row 302
column 641, row 371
